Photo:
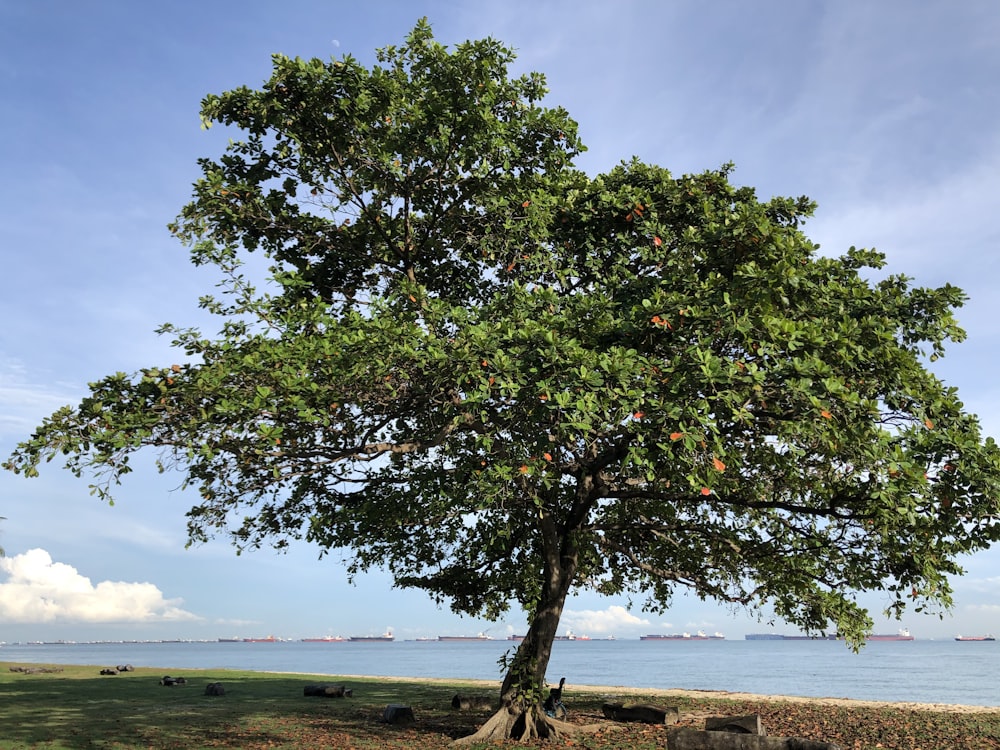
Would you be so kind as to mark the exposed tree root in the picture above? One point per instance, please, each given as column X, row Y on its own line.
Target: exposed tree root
column 511, row 723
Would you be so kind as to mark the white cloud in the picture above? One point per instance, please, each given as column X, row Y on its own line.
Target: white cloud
column 39, row 590
column 601, row 621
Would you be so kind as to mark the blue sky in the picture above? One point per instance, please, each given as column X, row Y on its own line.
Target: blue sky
column 885, row 113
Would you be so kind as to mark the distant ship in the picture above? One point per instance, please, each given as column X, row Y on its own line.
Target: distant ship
column 324, row 639
column 975, row 638
column 454, row 638
column 268, row 639
column 230, row 640
column 570, row 636
column 901, row 635
column 384, row 638
column 781, row 637
column 699, row 636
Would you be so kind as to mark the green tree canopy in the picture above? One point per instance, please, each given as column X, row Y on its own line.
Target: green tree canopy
column 503, row 379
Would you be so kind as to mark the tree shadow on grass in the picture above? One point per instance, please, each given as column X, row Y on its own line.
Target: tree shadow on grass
column 78, row 708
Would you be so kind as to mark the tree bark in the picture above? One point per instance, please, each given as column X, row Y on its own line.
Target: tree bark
column 520, row 716
column 526, row 675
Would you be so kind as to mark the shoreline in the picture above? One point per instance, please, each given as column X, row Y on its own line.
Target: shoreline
column 621, row 690
column 618, row 691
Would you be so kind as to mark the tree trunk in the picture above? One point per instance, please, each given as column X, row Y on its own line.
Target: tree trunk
column 526, row 675
column 520, row 716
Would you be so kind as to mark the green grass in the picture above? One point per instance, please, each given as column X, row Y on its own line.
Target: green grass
column 79, row 708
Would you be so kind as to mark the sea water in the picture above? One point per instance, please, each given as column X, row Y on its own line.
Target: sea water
column 923, row 671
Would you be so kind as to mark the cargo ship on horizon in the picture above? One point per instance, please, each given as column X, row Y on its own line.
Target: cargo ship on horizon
column 699, row 636
column 570, row 636
column 384, row 638
column 783, row 637
column 324, row 639
column 901, row 635
column 460, row 638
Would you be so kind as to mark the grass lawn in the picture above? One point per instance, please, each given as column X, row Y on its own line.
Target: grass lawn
column 79, row 708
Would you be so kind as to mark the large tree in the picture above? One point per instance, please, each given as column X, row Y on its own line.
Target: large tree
column 503, row 379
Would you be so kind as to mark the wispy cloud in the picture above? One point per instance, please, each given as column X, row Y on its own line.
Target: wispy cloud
column 39, row 590
column 986, row 609
column 924, row 225
column 981, row 584
column 24, row 403
column 235, row 622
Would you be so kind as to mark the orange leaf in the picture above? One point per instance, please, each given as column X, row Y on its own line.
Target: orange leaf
column 657, row 241
column 543, row 397
column 676, row 435
column 928, row 424
column 706, row 491
column 719, row 466
column 175, row 368
column 547, row 456
column 485, row 363
column 523, row 469
column 638, row 415
column 525, row 204
column 412, row 298
column 825, row 414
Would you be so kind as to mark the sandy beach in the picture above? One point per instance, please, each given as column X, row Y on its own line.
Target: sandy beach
column 612, row 691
